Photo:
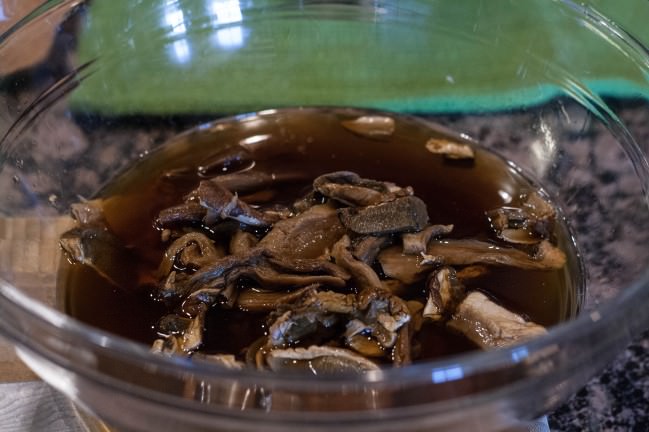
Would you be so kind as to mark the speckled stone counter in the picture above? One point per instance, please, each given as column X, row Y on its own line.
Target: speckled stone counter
column 617, row 399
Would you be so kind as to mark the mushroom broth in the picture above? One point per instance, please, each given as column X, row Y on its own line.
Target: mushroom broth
column 339, row 234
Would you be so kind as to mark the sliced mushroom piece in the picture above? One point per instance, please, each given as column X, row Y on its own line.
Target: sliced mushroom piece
column 269, row 271
column 306, row 235
column 366, row 248
column 445, row 292
column 278, row 212
column 269, row 277
column 242, row 242
column 222, row 204
column 193, row 250
column 518, row 236
column 167, row 346
column 472, row 272
column 330, row 301
column 372, row 126
column 175, row 285
column 292, row 326
column 366, row 346
column 217, row 269
column 350, row 189
column 550, row 255
column 256, row 352
column 192, row 337
column 510, row 225
column 363, row 275
column 416, row 243
column 88, row 212
column 384, row 314
column 98, row 248
column 307, row 201
column 410, row 268
column 450, row 149
column 543, row 214
column 416, row 309
column 254, row 300
column 312, row 266
column 227, row 361
column 490, row 325
column 467, row 252
column 530, row 223
column 319, row 360
column 407, row 214
column 402, row 352
column 183, row 214
column 199, row 299
column 173, row 324
column 315, row 310
column 356, row 327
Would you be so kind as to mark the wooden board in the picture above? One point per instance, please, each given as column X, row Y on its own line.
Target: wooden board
column 29, row 259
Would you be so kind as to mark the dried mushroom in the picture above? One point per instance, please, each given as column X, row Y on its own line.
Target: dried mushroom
column 444, row 293
column 313, row 273
column 319, row 360
column 490, row 325
column 530, row 223
column 407, row 214
column 371, row 126
column 95, row 246
column 350, row 189
column 450, row 149
column 410, row 268
column 343, row 281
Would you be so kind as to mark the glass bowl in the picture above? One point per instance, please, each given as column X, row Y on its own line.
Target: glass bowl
column 117, row 79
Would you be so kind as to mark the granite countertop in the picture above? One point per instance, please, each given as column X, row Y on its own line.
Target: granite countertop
column 617, row 399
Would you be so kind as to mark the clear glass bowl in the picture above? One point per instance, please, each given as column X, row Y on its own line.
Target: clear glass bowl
column 119, row 78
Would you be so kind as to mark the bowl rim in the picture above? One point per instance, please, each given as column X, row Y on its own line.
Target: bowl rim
column 599, row 318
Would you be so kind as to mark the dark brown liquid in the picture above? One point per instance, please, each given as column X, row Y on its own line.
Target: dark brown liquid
column 310, row 143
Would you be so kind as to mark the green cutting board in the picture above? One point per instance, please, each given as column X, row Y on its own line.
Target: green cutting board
column 225, row 56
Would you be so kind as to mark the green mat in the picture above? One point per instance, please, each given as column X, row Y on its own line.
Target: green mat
column 224, row 56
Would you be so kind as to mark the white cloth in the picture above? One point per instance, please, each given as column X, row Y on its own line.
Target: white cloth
column 36, row 407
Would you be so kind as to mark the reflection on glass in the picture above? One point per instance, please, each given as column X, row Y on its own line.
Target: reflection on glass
column 543, row 149
column 519, row 354
column 451, row 373
column 505, row 195
column 181, row 51
column 174, row 17
column 224, row 13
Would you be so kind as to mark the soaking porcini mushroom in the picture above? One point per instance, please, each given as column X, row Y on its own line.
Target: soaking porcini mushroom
column 350, row 189
column 307, row 235
column 490, row 325
column 371, row 126
column 416, row 243
column 450, row 149
column 328, row 275
column 407, row 214
column 191, row 250
column 410, row 268
column 529, row 223
column 97, row 247
column 444, row 293
column 319, row 361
